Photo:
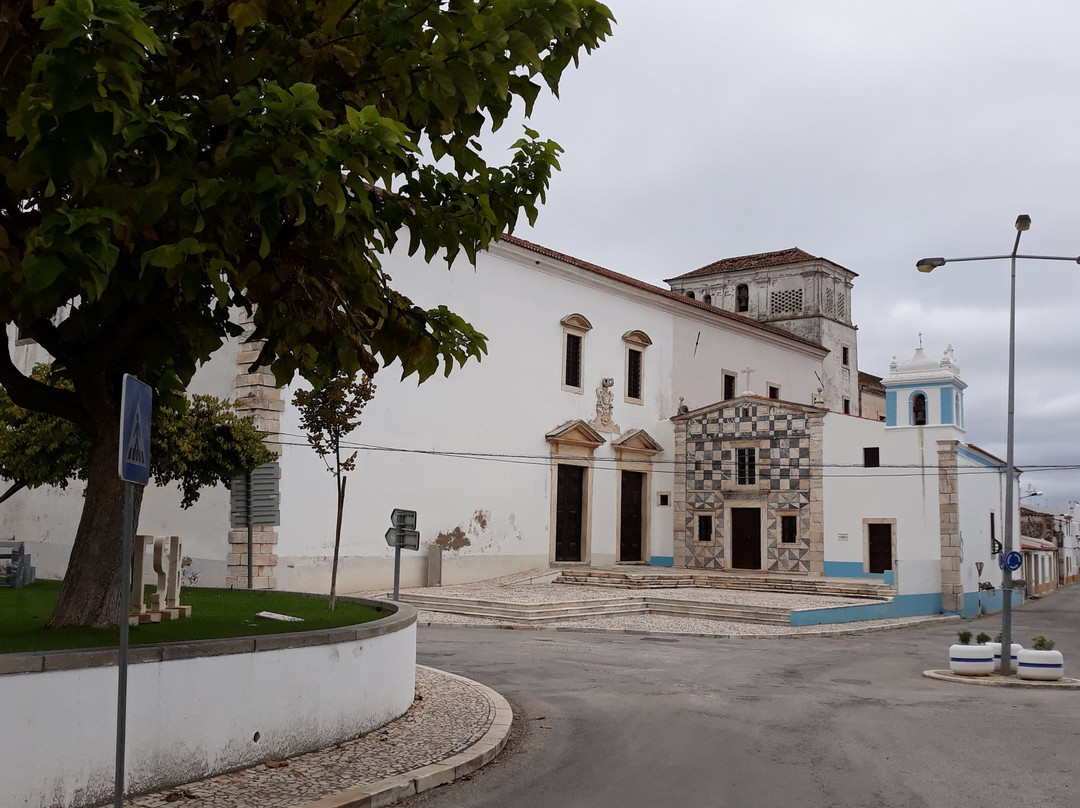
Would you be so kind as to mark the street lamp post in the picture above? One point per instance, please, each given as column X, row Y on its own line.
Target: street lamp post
column 1023, row 222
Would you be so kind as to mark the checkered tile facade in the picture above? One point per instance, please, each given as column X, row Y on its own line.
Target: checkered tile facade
column 787, row 442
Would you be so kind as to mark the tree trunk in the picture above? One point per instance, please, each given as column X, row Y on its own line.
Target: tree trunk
column 342, row 479
column 91, row 592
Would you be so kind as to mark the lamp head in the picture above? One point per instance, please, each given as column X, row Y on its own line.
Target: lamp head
column 1023, row 222
column 929, row 264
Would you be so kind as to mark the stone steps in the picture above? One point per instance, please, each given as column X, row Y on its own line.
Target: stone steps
column 833, row 587
column 621, row 605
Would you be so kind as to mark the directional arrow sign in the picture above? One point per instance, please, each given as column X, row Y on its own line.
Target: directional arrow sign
column 1014, row 561
column 135, row 401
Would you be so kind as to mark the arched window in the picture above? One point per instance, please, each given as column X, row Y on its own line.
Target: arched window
column 691, row 295
column 742, row 297
column 708, row 299
column 918, row 409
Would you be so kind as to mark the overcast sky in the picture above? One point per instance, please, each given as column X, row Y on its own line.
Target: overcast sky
column 872, row 134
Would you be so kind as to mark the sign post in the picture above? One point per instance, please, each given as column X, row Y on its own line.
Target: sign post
column 403, row 533
column 136, row 400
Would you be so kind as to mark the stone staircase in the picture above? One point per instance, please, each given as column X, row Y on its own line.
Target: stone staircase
column 539, row 613
column 636, row 578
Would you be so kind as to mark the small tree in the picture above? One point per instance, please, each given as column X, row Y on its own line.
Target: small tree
column 328, row 413
column 200, row 443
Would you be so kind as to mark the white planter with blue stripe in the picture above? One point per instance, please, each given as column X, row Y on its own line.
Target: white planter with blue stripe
column 996, row 648
column 971, row 660
column 1044, row 666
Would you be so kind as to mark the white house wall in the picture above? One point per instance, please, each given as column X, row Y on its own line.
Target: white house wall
column 907, row 492
column 492, row 515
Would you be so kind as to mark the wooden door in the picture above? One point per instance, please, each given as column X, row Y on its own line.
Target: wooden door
column 569, row 512
column 746, row 538
column 880, row 547
column 632, row 513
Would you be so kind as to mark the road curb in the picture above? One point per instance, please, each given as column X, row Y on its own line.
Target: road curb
column 391, row 789
column 997, row 680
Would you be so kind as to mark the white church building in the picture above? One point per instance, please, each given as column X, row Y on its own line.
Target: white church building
column 569, row 443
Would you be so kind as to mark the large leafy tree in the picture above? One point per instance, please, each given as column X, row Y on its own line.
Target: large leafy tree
column 167, row 164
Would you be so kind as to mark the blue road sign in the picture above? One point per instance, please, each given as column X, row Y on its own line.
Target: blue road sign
column 135, row 402
column 1014, row 561
column 1001, row 560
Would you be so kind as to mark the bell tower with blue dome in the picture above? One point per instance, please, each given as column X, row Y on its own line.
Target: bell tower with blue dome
column 924, row 392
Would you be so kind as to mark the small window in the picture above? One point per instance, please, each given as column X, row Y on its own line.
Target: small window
column 636, row 342
column 845, row 356
column 746, row 466
column 704, row 527
column 729, row 386
column 691, row 295
column 573, row 361
column 633, row 373
column 742, row 297
column 774, row 392
column 708, row 299
column 847, row 406
column 871, row 457
column 663, row 499
column 573, row 366
column 789, row 528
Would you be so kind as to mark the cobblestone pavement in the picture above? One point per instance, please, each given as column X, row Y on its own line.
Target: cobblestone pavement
column 449, row 715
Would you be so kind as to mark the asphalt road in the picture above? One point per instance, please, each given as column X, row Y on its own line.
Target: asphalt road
column 614, row 720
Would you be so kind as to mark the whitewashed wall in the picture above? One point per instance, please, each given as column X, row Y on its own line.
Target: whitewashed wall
column 504, row 405
column 908, row 494
column 982, row 492
column 494, row 512
column 193, row 717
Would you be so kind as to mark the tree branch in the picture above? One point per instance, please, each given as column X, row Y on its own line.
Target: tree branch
column 15, row 488
column 33, row 395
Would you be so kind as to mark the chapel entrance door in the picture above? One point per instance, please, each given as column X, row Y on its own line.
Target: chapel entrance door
column 631, row 516
column 569, row 512
column 746, row 538
column 879, row 541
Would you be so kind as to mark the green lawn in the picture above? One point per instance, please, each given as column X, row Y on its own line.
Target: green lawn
column 214, row 613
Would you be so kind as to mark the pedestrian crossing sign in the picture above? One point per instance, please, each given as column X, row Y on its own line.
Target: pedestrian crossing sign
column 135, row 403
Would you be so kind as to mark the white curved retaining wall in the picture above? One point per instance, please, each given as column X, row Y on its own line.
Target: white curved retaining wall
column 195, row 709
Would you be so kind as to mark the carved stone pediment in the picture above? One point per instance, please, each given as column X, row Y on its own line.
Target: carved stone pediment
column 575, row 433
column 636, row 444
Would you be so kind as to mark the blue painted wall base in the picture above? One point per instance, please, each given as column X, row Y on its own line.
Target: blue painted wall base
column 661, row 561
column 900, row 606
column 854, row 569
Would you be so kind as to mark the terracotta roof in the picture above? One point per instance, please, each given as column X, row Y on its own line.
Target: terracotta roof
column 656, row 290
column 793, row 255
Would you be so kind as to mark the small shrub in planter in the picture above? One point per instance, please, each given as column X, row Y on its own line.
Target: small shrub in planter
column 1040, row 662
column 970, row 660
column 983, row 638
